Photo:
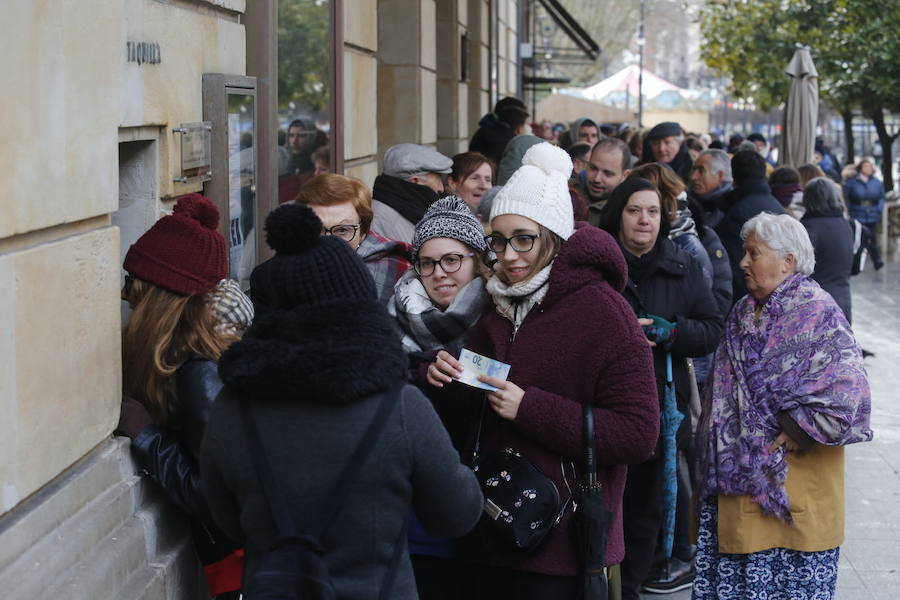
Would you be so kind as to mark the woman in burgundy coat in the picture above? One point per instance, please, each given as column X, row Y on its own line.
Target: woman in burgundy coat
column 558, row 319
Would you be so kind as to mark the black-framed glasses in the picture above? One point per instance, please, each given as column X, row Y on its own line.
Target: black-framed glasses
column 523, row 242
column 450, row 263
column 344, row 231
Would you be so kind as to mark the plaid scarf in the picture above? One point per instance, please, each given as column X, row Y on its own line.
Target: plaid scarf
column 387, row 260
column 426, row 327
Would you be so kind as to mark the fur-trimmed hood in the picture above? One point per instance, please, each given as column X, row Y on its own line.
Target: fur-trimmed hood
column 330, row 352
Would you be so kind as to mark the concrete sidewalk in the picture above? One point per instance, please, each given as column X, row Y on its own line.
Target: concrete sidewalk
column 870, row 556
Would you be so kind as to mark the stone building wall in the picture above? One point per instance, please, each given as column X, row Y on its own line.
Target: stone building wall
column 90, row 154
column 88, row 166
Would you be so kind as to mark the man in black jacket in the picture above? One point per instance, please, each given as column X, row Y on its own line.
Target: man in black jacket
column 751, row 196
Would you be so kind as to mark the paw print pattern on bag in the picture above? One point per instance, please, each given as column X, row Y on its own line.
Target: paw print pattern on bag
column 530, row 494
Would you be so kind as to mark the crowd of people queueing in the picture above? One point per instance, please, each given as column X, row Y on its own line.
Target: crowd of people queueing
column 667, row 300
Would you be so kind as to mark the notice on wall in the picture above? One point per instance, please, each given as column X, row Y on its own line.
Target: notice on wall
column 196, row 142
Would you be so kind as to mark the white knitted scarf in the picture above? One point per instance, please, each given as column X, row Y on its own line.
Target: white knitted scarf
column 515, row 301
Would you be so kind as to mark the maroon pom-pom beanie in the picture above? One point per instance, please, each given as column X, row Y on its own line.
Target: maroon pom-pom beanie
column 183, row 252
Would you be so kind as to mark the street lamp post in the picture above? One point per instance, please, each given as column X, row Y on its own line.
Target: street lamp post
column 640, row 42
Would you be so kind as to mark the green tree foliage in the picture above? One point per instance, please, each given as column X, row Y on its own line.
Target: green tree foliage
column 854, row 44
column 303, row 53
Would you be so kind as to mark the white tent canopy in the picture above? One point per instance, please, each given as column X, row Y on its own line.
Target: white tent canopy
column 626, row 80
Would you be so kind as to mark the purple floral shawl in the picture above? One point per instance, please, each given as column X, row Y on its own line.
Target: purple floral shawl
column 800, row 357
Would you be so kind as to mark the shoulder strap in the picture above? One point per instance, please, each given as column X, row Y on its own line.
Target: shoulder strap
column 590, row 464
column 334, row 500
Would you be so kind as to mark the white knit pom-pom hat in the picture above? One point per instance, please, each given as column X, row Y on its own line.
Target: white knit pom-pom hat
column 539, row 190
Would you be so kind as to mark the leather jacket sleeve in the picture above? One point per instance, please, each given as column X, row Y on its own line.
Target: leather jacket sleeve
column 170, row 454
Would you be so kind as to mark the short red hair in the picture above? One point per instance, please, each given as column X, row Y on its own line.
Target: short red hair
column 329, row 189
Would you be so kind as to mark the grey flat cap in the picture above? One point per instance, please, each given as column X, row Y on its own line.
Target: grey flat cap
column 406, row 160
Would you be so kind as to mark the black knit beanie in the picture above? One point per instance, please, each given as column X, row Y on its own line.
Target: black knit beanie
column 310, row 268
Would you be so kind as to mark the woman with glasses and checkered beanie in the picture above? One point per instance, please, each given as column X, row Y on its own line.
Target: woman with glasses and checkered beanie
column 435, row 304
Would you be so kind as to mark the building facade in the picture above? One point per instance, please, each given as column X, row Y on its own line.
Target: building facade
column 109, row 105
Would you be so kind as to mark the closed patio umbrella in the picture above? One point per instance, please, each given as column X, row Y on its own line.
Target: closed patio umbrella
column 801, row 111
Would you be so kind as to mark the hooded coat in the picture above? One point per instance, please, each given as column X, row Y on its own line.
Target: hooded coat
column 562, row 359
column 832, row 239
column 314, row 375
column 492, row 137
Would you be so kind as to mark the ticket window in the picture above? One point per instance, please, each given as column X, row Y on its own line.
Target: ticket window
column 138, row 206
column 229, row 104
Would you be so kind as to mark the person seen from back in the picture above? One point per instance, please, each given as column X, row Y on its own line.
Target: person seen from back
column 498, row 127
column 311, row 377
column 831, row 236
column 751, row 196
column 170, row 347
column 785, row 184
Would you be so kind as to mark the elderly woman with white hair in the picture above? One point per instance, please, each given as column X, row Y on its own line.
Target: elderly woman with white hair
column 787, row 393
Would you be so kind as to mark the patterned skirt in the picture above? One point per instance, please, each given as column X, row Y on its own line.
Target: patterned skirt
column 774, row 574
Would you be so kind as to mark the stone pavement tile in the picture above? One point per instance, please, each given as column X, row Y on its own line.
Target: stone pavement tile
column 849, row 584
column 872, row 555
column 880, row 585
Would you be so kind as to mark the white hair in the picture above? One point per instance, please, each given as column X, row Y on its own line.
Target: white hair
column 784, row 235
column 719, row 163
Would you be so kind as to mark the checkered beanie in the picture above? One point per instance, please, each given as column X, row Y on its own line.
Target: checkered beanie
column 449, row 217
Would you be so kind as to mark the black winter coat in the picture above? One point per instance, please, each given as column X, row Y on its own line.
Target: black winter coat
column 748, row 199
column 170, row 455
column 672, row 287
column 492, row 137
column 721, row 267
column 832, row 239
column 314, row 375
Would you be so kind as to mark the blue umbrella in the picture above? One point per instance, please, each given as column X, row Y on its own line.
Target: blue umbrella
column 671, row 418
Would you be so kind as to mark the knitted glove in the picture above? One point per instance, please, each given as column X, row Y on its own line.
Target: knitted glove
column 133, row 418
column 662, row 332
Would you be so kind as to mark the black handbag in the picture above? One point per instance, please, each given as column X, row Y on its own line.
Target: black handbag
column 520, row 502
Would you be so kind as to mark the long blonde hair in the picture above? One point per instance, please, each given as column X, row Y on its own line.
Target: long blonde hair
column 164, row 331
